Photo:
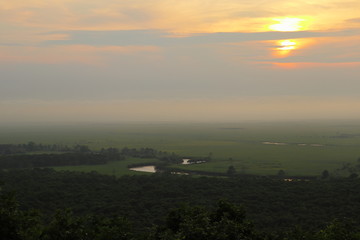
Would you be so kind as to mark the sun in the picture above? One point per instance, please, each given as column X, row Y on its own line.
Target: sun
column 287, row 24
column 287, row 45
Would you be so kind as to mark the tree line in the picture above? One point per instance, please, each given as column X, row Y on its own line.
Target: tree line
column 32, row 155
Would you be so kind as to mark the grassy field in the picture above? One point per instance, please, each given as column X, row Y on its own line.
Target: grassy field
column 299, row 148
column 116, row 168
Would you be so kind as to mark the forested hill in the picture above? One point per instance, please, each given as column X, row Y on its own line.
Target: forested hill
column 273, row 205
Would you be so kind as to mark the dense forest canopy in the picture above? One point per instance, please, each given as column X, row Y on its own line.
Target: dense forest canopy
column 145, row 201
column 41, row 203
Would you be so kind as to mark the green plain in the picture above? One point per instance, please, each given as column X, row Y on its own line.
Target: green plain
column 309, row 147
column 116, row 168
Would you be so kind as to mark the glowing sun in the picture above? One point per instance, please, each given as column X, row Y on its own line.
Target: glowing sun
column 287, row 24
column 287, row 45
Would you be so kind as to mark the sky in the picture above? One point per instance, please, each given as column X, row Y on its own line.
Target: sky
column 228, row 60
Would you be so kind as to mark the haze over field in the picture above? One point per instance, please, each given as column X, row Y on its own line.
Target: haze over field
column 179, row 60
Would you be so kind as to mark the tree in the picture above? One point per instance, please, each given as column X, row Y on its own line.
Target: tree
column 231, row 171
column 16, row 224
column 66, row 226
column 281, row 173
column 338, row 230
column 225, row 222
column 9, row 217
column 353, row 175
column 325, row 174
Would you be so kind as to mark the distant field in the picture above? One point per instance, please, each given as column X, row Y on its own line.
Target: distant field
column 253, row 148
column 116, row 168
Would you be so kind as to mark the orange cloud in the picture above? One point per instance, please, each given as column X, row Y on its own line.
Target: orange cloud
column 175, row 16
column 293, row 65
column 311, row 52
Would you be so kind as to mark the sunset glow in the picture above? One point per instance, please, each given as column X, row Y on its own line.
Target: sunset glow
column 287, row 24
column 283, row 48
column 100, row 51
column 287, row 45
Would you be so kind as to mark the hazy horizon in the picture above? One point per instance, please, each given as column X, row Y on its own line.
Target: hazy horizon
column 176, row 61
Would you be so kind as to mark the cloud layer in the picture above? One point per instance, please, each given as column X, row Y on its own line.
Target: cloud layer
column 196, row 58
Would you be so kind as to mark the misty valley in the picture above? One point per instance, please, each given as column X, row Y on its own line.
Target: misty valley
column 179, row 120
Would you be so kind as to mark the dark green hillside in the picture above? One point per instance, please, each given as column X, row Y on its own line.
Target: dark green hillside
column 145, row 200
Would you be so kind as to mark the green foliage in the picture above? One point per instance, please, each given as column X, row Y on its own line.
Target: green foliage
column 325, row 174
column 226, row 222
column 16, row 224
column 343, row 230
column 81, row 158
column 281, row 173
column 48, row 160
column 27, row 225
column 231, row 171
column 32, row 225
column 115, row 228
column 145, row 199
column 66, row 226
column 9, row 217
